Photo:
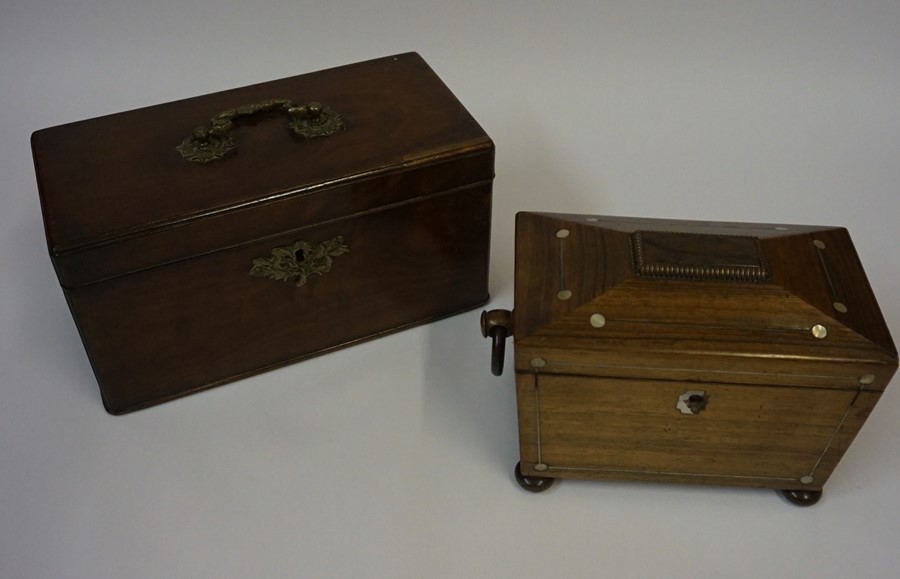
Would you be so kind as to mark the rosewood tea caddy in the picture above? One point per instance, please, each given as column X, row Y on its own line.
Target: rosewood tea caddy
column 204, row 240
column 689, row 352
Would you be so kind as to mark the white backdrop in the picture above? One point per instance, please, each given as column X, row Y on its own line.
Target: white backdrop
column 394, row 458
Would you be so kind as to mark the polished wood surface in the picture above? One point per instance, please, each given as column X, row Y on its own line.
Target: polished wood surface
column 631, row 430
column 615, row 318
column 154, row 252
column 120, row 175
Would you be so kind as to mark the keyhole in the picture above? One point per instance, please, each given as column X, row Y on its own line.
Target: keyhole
column 696, row 403
column 692, row 402
column 300, row 256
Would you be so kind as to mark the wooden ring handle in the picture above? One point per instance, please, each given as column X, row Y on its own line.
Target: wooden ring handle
column 498, row 350
column 497, row 325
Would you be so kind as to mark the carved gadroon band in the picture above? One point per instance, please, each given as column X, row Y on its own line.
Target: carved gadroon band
column 212, row 142
column 299, row 260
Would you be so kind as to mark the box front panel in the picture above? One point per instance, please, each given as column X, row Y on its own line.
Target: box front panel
column 172, row 330
column 781, row 437
column 285, row 212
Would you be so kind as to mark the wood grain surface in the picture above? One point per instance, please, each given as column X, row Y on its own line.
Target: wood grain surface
column 154, row 252
column 615, row 318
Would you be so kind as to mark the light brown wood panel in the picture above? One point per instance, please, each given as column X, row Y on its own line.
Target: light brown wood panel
column 613, row 424
column 706, row 362
column 777, row 324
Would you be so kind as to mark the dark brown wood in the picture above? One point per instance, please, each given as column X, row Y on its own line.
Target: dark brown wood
column 772, row 330
column 497, row 325
column 154, row 252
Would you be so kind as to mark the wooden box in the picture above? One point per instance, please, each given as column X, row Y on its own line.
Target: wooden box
column 690, row 352
column 204, row 240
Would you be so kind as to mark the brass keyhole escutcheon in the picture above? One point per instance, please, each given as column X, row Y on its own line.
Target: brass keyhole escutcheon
column 300, row 260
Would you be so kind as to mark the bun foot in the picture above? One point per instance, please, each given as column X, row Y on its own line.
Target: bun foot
column 802, row 498
column 534, row 484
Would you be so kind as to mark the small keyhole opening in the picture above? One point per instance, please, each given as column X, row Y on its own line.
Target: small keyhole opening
column 696, row 403
column 299, row 255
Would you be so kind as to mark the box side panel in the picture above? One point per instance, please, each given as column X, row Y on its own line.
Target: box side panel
column 163, row 333
column 824, row 269
column 633, row 429
column 560, row 265
column 856, row 416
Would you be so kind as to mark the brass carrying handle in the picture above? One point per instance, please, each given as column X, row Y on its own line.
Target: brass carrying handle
column 497, row 325
column 212, row 142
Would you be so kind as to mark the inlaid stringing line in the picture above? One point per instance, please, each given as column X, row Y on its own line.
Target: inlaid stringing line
column 562, row 268
column 821, row 255
column 836, row 430
column 537, row 412
column 669, row 473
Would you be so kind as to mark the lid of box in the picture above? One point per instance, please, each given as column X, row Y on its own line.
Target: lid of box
column 121, row 176
column 767, row 292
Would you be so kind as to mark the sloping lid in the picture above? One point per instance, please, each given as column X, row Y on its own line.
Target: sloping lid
column 731, row 289
column 119, row 176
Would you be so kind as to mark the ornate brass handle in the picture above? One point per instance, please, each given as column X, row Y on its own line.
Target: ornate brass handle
column 213, row 142
column 299, row 260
